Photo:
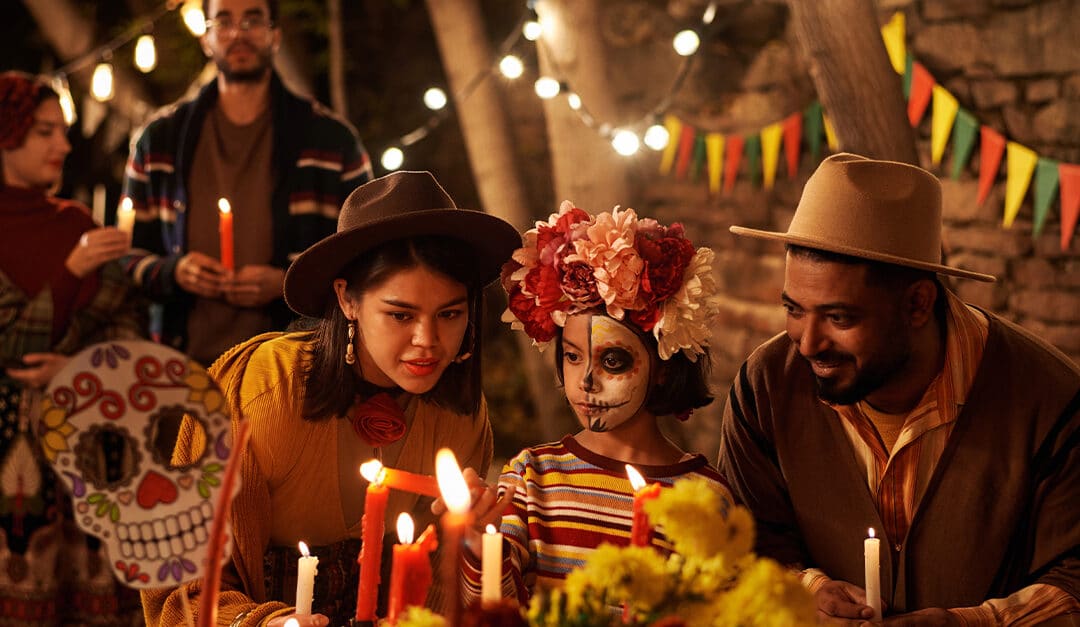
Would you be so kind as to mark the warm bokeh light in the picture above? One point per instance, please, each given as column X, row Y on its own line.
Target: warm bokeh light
column 101, row 84
column 406, row 528
column 657, row 137
column 532, row 30
column 145, row 53
column 435, row 98
column 686, row 42
column 511, row 67
column 625, row 142
column 455, row 492
column 193, row 17
column 636, row 480
column 392, row 158
column 546, row 87
column 67, row 103
column 573, row 100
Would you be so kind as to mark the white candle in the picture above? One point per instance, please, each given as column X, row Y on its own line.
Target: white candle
column 305, row 579
column 872, row 561
column 97, row 208
column 491, row 572
column 125, row 216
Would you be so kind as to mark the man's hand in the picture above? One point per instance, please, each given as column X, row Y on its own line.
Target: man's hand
column 95, row 248
column 840, row 599
column 487, row 508
column 200, row 274
column 931, row 616
column 254, row 286
column 305, row 620
column 40, row 369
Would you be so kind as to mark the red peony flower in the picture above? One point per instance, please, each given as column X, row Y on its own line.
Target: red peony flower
column 543, row 282
column 379, row 420
column 647, row 317
column 579, row 283
column 536, row 320
column 666, row 259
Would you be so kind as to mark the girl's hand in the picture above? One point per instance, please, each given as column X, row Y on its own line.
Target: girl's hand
column 40, row 369
column 305, row 620
column 96, row 248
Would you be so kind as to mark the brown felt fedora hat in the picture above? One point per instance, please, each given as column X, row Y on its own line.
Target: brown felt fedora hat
column 395, row 206
column 879, row 210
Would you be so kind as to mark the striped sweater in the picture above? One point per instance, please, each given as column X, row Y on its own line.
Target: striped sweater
column 569, row 501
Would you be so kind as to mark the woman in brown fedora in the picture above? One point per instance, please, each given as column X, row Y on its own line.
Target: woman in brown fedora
column 391, row 370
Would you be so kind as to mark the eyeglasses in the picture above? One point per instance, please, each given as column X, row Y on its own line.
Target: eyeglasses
column 253, row 23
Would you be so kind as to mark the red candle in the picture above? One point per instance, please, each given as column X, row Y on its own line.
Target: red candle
column 400, row 479
column 411, row 574
column 372, row 528
column 640, row 530
column 225, row 232
column 457, row 519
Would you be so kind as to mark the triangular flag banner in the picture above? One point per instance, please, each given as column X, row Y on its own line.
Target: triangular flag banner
column 921, row 85
column 941, row 122
column 698, row 159
column 792, row 142
column 963, row 140
column 1019, row 165
column 770, row 151
column 893, row 34
column 830, row 134
column 753, row 158
column 674, row 129
column 1046, row 183
column 993, row 146
column 731, row 163
column 812, row 125
column 714, row 150
column 1070, row 201
column 686, row 150
column 909, row 63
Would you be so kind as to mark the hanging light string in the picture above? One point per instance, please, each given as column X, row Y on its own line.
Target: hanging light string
column 105, row 51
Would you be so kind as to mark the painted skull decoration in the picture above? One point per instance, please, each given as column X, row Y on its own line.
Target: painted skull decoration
column 109, row 421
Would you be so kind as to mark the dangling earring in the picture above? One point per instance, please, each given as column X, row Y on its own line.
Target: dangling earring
column 350, row 355
column 462, row 358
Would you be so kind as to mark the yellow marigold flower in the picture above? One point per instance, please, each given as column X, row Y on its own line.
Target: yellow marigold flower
column 56, row 430
column 694, row 515
column 420, row 617
column 203, row 389
column 635, row 574
column 767, row 595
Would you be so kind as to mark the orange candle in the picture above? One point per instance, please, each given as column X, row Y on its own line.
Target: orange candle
column 455, row 522
column 225, row 232
column 411, row 574
column 640, row 530
column 372, row 528
column 401, row 479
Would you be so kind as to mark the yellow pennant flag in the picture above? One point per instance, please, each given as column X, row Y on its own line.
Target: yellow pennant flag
column 1020, row 164
column 830, row 134
column 893, row 34
column 674, row 129
column 941, row 123
column 770, row 151
column 714, row 152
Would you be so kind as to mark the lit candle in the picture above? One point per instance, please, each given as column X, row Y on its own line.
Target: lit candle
column 491, row 571
column 411, row 574
column 305, row 579
column 640, row 530
column 456, row 520
column 125, row 216
column 401, row 479
column 225, row 232
column 872, row 562
column 372, row 528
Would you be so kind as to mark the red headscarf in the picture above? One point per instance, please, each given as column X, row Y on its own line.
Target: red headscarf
column 19, row 98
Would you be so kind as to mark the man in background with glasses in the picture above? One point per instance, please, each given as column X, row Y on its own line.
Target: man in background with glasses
column 282, row 162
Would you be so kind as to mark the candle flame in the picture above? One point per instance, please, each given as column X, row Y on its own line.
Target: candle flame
column 636, row 480
column 452, row 486
column 373, row 471
column 223, row 205
column 490, row 529
column 871, row 532
column 126, row 204
column 405, row 528
column 292, row 622
column 304, row 549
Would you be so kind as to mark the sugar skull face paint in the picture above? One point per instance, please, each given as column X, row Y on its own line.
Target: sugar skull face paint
column 606, row 370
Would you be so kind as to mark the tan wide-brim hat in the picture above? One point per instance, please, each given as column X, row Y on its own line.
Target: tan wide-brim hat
column 879, row 210
column 395, row 206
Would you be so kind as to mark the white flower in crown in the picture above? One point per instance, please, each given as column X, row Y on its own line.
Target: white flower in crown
column 687, row 318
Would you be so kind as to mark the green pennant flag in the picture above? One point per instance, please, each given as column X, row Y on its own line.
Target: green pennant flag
column 752, row 151
column 813, row 127
column 1046, row 183
column 965, row 128
column 909, row 62
column 699, row 157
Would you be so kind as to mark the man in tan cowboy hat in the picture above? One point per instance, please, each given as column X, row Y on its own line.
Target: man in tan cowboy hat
column 890, row 404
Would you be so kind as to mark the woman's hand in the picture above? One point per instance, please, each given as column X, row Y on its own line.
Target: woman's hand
column 304, row 620
column 487, row 507
column 40, row 369
column 96, row 248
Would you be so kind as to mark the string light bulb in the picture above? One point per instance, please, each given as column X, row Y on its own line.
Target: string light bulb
column 101, row 84
column 67, row 103
column 657, row 137
column 573, row 101
column 145, row 54
column 686, row 42
column 392, row 158
column 547, row 87
column 625, row 142
column 435, row 98
column 511, row 67
column 532, row 30
column 193, row 17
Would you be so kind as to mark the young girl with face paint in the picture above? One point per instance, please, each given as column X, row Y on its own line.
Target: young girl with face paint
column 629, row 305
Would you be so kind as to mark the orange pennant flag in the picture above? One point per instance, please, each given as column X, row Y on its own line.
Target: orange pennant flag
column 731, row 164
column 792, row 142
column 1069, row 174
column 992, row 147
column 686, row 150
column 1019, row 166
column 922, row 85
column 770, row 152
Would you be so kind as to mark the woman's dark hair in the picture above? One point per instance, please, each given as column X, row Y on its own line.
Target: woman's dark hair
column 678, row 385
column 333, row 386
column 22, row 94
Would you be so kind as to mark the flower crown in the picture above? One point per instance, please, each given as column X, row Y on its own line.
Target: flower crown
column 638, row 271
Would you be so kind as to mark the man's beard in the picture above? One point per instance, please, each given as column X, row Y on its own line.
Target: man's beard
column 872, row 376
column 253, row 74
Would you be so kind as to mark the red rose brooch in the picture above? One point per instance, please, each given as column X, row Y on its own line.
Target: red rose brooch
column 379, row 420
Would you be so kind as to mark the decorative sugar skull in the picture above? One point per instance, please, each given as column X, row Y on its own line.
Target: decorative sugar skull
column 109, row 423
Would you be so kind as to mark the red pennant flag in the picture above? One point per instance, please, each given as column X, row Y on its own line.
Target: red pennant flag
column 792, row 137
column 990, row 151
column 686, row 150
column 922, row 86
column 734, row 157
column 1069, row 173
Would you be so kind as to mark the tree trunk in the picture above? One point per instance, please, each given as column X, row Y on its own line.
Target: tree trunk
column 337, row 59
column 859, row 90
column 466, row 53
